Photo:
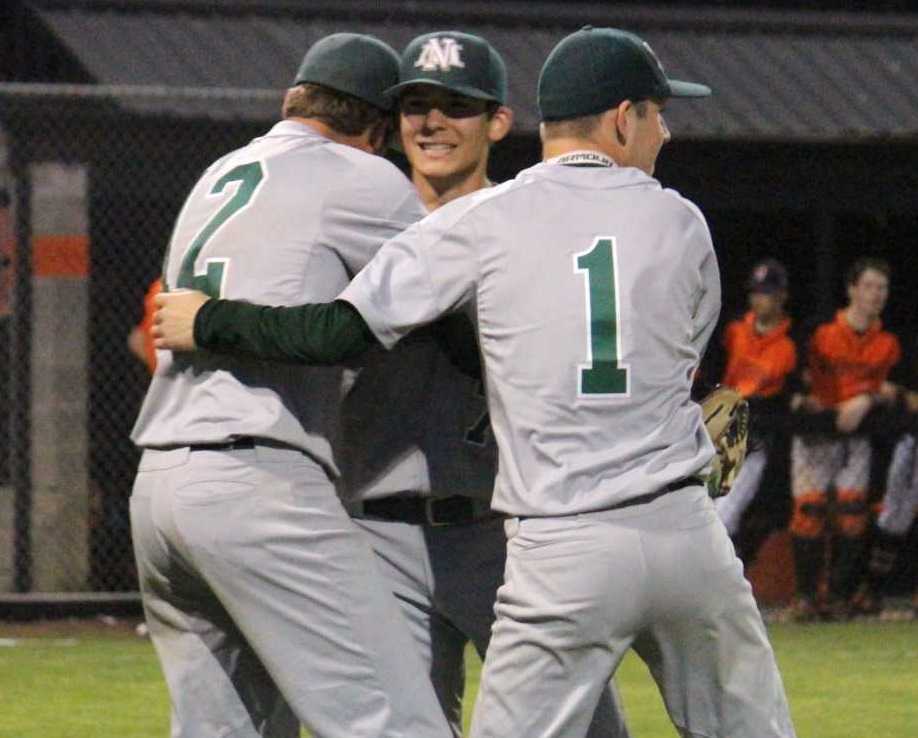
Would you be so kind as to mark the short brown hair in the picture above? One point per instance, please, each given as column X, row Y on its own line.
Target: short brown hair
column 339, row 111
column 864, row 264
column 584, row 126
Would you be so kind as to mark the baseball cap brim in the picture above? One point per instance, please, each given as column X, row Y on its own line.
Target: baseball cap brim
column 678, row 88
column 395, row 90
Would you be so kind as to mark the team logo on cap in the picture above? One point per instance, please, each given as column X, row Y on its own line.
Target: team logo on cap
column 440, row 53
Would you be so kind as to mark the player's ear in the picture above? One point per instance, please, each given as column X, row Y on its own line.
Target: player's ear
column 500, row 123
column 623, row 122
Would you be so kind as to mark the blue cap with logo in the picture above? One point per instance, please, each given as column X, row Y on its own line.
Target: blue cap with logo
column 457, row 61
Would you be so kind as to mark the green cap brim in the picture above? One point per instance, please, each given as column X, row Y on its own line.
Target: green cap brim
column 473, row 92
column 678, row 88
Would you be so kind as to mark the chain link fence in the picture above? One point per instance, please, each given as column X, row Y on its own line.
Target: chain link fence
column 91, row 181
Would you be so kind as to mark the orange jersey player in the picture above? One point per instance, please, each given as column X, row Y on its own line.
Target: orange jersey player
column 759, row 357
column 848, row 357
column 845, row 362
column 140, row 340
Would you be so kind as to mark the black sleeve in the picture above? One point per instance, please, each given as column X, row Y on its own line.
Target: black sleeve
column 321, row 334
column 458, row 339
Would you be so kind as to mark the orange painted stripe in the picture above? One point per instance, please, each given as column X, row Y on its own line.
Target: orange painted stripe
column 60, row 256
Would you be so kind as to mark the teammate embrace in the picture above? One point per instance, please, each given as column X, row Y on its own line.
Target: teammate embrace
column 612, row 541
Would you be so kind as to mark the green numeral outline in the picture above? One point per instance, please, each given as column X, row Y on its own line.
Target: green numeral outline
column 249, row 176
column 602, row 374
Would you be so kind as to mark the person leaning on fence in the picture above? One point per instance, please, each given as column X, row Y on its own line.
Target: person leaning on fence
column 760, row 356
column 848, row 360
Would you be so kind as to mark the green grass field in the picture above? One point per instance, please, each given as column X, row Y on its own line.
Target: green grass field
column 90, row 680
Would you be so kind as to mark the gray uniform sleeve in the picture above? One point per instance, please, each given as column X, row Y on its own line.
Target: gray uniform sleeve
column 703, row 263
column 429, row 270
column 374, row 204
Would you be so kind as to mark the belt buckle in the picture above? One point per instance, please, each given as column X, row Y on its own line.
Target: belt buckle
column 429, row 516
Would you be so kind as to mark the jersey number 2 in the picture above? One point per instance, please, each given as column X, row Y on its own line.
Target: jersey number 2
column 249, row 176
column 602, row 374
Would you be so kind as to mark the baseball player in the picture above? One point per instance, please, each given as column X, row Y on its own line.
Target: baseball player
column 760, row 357
column 415, row 449
column 140, row 339
column 898, row 511
column 262, row 597
column 595, row 292
column 847, row 357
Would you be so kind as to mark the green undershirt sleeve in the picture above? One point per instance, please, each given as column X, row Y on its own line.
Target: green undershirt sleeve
column 320, row 334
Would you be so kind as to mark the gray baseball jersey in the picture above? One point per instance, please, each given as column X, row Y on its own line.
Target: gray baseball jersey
column 590, row 407
column 264, row 224
column 596, row 291
column 262, row 596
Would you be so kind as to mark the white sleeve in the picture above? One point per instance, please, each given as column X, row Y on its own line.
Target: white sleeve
column 427, row 271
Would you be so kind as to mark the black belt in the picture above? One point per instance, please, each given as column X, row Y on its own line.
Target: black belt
column 433, row 511
column 241, row 443
column 650, row 496
column 692, row 481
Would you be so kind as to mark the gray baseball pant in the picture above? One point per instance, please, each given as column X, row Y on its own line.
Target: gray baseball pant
column 446, row 580
column 260, row 592
column 660, row 577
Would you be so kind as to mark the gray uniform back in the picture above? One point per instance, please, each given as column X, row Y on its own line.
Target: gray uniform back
column 586, row 328
column 323, row 210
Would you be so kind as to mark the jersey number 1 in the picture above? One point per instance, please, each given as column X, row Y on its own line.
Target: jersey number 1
column 249, row 176
column 602, row 374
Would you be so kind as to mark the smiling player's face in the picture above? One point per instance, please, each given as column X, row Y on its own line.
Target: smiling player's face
column 444, row 134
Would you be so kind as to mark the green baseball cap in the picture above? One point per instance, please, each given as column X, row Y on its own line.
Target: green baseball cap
column 458, row 61
column 359, row 65
column 595, row 69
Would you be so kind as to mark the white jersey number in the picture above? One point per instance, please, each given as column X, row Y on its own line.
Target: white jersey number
column 249, row 176
column 602, row 374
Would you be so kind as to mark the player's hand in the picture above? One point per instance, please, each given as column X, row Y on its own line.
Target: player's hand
column 889, row 392
column 173, row 322
column 851, row 412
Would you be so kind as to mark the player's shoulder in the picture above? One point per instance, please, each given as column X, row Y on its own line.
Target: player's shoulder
column 678, row 206
column 454, row 213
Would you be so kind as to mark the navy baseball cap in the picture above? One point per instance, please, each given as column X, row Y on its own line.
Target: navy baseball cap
column 457, row 61
column 595, row 69
column 353, row 63
column 767, row 276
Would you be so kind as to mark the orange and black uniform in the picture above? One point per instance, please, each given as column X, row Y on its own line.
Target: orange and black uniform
column 843, row 363
column 758, row 363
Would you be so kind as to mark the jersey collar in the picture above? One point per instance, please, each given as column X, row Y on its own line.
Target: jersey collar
column 583, row 158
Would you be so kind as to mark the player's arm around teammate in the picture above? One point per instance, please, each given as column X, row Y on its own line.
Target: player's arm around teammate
column 540, row 255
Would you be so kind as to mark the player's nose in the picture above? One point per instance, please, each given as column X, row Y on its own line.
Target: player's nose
column 435, row 118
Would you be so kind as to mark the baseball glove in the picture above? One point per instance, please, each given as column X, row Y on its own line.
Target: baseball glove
column 726, row 417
